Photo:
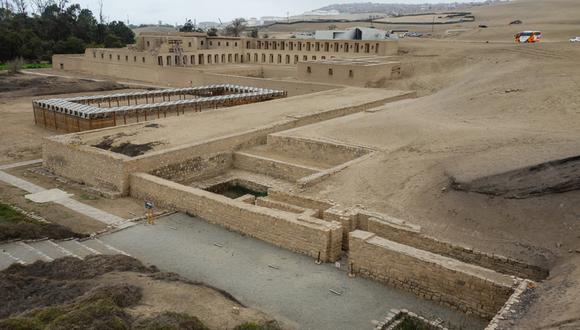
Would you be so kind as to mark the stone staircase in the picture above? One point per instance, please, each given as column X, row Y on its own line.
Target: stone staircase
column 27, row 252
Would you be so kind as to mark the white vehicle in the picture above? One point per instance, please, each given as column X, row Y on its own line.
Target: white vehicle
column 575, row 39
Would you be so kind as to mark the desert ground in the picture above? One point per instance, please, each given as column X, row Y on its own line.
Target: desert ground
column 485, row 107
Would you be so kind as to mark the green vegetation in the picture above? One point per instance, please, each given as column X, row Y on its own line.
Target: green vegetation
column 69, row 293
column 4, row 67
column 410, row 324
column 269, row 325
column 54, row 28
column 236, row 28
column 9, row 215
column 15, row 225
column 170, row 321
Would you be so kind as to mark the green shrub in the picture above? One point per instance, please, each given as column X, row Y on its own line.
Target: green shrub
column 100, row 314
column 268, row 325
column 170, row 321
column 20, row 323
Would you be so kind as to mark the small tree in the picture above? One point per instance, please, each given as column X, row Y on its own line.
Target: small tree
column 332, row 27
column 187, row 27
column 15, row 65
column 253, row 33
column 212, row 32
column 236, row 27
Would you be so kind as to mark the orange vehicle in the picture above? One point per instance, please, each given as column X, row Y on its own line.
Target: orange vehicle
column 527, row 37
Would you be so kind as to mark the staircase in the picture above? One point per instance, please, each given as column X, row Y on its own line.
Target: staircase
column 25, row 253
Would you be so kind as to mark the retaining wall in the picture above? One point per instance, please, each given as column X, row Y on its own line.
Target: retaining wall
column 196, row 168
column 291, row 231
column 87, row 165
column 327, row 152
column 274, row 168
column 404, row 233
column 466, row 287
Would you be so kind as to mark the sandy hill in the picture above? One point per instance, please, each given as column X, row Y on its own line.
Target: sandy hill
column 488, row 114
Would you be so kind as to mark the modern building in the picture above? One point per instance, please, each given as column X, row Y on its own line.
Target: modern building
column 357, row 33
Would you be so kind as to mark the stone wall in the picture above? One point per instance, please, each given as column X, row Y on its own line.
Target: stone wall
column 291, row 231
column 404, row 233
column 454, row 283
column 196, row 168
column 349, row 72
column 502, row 319
column 269, row 203
column 87, row 165
column 179, row 76
column 299, row 200
column 274, row 168
column 324, row 151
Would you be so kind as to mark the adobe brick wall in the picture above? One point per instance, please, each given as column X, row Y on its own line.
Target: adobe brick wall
column 454, row 283
column 298, row 200
column 324, row 151
column 199, row 167
column 291, row 231
column 94, row 167
column 274, row 168
column 266, row 202
column 179, row 76
column 411, row 235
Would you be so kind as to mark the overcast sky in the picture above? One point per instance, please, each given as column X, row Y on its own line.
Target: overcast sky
column 176, row 11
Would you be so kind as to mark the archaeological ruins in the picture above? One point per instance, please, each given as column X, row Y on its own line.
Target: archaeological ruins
column 223, row 142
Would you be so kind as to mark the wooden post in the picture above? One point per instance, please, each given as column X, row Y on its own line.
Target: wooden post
column 55, row 124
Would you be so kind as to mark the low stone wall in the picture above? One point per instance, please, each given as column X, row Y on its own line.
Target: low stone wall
column 298, row 233
column 196, row 168
column 271, row 167
column 324, row 151
column 404, row 233
column 453, row 283
column 396, row 317
column 266, row 202
column 298, row 200
column 502, row 318
column 97, row 168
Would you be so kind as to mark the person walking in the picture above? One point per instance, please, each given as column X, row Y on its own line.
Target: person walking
column 149, row 209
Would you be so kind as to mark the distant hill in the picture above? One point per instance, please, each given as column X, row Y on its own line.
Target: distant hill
column 395, row 9
column 153, row 28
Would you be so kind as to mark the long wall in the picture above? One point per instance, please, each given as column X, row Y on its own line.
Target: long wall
column 179, row 76
column 408, row 235
column 76, row 161
column 463, row 286
column 291, row 231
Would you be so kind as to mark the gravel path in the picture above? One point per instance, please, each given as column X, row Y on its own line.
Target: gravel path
column 286, row 285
